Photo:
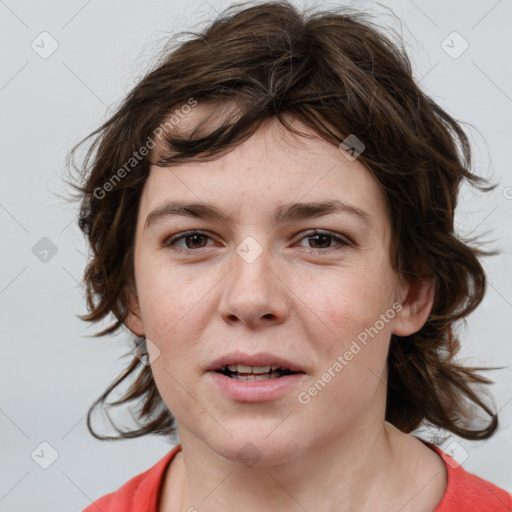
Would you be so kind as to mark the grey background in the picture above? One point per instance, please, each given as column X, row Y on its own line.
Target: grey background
column 51, row 370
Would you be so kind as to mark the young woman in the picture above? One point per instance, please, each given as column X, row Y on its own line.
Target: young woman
column 271, row 215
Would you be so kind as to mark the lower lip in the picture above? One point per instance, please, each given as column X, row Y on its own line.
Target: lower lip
column 255, row 390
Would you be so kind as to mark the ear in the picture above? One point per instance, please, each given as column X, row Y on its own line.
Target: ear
column 133, row 318
column 417, row 300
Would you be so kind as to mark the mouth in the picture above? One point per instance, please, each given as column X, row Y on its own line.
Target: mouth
column 254, row 378
column 259, row 366
column 252, row 373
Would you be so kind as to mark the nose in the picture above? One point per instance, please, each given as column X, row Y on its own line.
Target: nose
column 254, row 292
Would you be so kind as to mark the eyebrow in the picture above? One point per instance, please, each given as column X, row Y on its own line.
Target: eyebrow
column 286, row 212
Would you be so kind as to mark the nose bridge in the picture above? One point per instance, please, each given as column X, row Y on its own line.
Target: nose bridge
column 252, row 291
column 251, row 268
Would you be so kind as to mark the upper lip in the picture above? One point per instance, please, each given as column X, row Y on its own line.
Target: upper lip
column 259, row 359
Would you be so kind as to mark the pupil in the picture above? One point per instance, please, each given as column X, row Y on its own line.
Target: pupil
column 194, row 237
column 325, row 237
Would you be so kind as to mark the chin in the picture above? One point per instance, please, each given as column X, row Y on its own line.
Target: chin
column 251, row 448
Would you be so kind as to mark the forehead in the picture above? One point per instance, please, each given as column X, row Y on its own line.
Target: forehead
column 274, row 166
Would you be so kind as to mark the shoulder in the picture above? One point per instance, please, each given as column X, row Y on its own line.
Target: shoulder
column 467, row 491
column 140, row 493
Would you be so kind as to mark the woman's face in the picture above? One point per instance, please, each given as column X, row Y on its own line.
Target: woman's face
column 251, row 283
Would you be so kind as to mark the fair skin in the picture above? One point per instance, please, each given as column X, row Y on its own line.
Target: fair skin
column 305, row 298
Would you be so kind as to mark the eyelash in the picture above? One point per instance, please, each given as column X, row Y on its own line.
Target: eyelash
column 171, row 242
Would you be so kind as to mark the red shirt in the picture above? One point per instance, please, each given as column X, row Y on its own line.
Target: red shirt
column 465, row 492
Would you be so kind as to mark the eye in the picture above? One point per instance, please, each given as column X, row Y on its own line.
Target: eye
column 323, row 238
column 194, row 240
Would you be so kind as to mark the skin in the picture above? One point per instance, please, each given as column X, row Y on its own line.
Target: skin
column 303, row 298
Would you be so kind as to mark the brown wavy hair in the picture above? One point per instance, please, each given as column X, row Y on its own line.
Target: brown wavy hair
column 340, row 74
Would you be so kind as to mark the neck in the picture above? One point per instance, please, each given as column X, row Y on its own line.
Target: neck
column 369, row 471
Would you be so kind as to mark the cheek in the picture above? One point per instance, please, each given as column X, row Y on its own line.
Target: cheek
column 175, row 309
column 348, row 301
column 170, row 300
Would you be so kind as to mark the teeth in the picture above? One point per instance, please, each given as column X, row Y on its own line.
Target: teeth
column 264, row 376
column 240, row 368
